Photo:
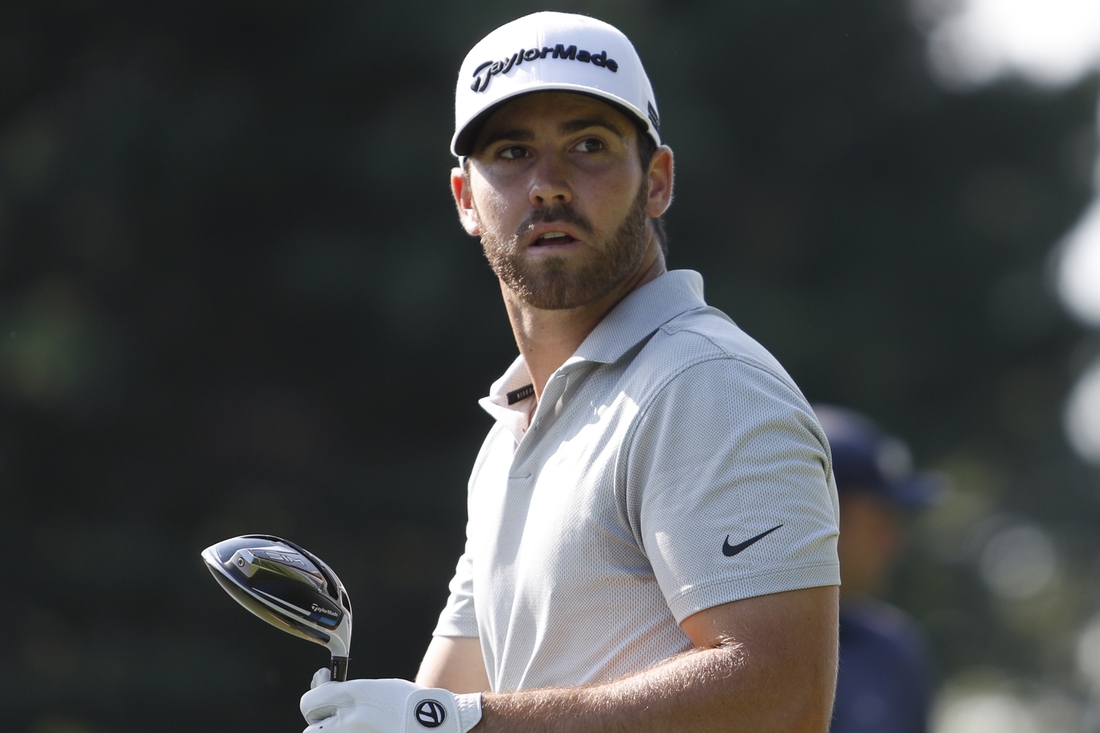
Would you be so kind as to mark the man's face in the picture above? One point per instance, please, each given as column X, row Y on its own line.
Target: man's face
column 560, row 198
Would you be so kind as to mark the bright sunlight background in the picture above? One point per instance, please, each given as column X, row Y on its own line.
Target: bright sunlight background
column 1047, row 43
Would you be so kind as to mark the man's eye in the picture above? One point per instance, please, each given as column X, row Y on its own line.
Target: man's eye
column 591, row 145
column 513, row 153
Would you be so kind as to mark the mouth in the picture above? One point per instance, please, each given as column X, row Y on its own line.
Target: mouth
column 554, row 239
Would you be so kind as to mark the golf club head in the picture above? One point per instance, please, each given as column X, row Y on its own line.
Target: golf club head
column 288, row 587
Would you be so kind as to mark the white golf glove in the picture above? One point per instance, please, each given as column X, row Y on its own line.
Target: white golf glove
column 386, row 706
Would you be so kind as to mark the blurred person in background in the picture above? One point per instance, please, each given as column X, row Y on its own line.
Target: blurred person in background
column 884, row 681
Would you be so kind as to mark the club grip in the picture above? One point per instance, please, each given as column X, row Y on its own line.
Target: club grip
column 339, row 668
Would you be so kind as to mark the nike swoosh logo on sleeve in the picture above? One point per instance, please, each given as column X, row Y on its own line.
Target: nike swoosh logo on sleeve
column 730, row 550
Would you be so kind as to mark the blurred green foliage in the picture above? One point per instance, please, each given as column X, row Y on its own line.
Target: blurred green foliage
column 234, row 298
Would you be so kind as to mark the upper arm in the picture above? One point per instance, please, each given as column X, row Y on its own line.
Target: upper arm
column 454, row 663
column 729, row 488
column 789, row 639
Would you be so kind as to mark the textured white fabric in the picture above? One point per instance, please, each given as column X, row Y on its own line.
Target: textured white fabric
column 386, row 706
column 593, row 531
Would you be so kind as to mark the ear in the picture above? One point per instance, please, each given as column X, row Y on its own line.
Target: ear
column 467, row 214
column 660, row 181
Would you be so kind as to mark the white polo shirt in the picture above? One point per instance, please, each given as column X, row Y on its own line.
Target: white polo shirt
column 671, row 466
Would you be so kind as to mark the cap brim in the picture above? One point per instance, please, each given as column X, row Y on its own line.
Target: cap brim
column 463, row 140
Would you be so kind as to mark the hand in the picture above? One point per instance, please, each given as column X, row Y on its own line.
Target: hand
column 386, row 706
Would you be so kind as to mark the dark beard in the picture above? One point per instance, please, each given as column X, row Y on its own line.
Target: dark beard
column 556, row 284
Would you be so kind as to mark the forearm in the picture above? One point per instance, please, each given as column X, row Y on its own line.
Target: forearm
column 727, row 689
column 765, row 664
column 455, row 664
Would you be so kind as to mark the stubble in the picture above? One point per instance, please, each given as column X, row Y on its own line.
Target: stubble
column 561, row 282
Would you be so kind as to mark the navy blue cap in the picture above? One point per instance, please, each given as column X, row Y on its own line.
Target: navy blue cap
column 867, row 459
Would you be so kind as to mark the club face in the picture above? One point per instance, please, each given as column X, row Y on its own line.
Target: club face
column 286, row 586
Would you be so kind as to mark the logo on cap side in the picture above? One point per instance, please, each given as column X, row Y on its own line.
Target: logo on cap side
column 487, row 70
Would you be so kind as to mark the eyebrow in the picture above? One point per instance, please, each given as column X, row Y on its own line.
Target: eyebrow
column 518, row 135
column 573, row 126
column 566, row 128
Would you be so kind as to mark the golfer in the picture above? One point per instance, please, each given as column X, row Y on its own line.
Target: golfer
column 652, row 519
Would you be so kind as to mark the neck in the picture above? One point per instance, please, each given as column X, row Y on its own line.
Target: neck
column 546, row 338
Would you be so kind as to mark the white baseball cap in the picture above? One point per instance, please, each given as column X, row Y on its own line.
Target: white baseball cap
column 551, row 51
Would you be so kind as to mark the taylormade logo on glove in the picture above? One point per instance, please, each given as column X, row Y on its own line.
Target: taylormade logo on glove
column 386, row 706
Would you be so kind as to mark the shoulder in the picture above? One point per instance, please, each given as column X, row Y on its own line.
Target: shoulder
column 703, row 387
column 701, row 359
column 706, row 335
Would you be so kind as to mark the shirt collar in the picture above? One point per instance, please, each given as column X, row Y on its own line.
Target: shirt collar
column 633, row 319
column 641, row 313
column 513, row 415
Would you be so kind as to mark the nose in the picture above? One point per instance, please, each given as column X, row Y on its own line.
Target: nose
column 550, row 184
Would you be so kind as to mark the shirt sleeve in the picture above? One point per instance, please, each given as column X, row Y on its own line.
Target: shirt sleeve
column 458, row 617
column 731, row 489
